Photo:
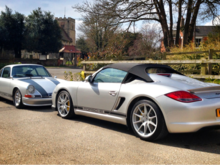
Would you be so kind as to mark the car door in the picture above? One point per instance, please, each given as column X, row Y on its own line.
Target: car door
column 5, row 81
column 102, row 92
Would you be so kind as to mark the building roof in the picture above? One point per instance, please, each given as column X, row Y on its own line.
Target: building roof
column 69, row 49
column 204, row 30
column 201, row 31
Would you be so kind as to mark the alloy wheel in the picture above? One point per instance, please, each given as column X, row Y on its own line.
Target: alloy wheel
column 63, row 103
column 17, row 98
column 144, row 120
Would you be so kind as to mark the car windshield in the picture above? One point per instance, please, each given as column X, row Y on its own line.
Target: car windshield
column 29, row 71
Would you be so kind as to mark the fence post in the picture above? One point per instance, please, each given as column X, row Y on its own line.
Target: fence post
column 84, row 67
column 210, row 65
column 164, row 56
column 203, row 67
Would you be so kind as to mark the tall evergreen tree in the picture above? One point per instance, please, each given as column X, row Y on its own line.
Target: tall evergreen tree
column 43, row 33
column 12, row 31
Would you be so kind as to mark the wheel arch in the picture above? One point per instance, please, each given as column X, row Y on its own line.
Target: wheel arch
column 13, row 91
column 63, row 89
column 138, row 99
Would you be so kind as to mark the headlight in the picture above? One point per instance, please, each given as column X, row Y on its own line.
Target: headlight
column 31, row 89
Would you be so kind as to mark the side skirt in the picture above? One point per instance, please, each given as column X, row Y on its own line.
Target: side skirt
column 102, row 116
column 6, row 96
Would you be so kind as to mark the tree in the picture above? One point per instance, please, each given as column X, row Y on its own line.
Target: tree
column 96, row 29
column 147, row 42
column 12, row 31
column 130, row 11
column 82, row 45
column 179, row 6
column 210, row 10
column 215, row 35
column 43, row 33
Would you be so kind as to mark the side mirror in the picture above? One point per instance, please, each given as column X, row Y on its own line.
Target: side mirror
column 55, row 76
column 88, row 79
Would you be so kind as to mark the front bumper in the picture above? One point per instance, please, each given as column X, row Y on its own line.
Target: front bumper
column 37, row 101
column 189, row 117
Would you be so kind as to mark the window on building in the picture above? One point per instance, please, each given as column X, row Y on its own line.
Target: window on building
column 198, row 42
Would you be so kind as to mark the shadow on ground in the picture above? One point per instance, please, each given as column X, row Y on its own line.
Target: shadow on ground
column 206, row 140
column 37, row 109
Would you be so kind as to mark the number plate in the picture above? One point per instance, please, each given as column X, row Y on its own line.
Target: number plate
column 218, row 112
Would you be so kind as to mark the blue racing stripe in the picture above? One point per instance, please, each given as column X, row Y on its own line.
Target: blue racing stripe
column 37, row 87
column 53, row 80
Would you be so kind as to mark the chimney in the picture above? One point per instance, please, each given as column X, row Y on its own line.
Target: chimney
column 182, row 22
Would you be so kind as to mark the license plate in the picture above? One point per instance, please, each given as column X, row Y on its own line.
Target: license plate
column 218, row 112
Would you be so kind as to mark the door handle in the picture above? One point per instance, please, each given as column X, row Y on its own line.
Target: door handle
column 112, row 93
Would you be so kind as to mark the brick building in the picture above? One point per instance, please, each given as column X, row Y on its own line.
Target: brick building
column 68, row 51
column 200, row 34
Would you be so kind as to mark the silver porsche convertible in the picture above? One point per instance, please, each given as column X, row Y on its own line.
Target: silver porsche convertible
column 27, row 84
column 152, row 99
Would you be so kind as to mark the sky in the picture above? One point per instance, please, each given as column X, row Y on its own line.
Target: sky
column 58, row 8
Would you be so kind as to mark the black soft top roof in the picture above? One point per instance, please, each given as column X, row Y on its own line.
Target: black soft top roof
column 139, row 69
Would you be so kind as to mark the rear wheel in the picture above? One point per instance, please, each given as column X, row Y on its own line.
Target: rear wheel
column 18, row 99
column 64, row 105
column 147, row 121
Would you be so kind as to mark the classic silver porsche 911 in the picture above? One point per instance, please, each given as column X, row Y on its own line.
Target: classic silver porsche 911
column 27, row 84
column 152, row 99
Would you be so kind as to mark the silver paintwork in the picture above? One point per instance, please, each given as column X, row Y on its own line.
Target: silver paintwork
column 107, row 117
column 179, row 117
column 8, row 85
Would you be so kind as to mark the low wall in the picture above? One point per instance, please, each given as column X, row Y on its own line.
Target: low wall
column 49, row 62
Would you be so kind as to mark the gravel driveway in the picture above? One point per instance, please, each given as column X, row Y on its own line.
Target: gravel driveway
column 38, row 135
column 59, row 72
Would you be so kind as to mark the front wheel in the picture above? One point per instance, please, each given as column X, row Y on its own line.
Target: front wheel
column 64, row 105
column 147, row 121
column 18, row 99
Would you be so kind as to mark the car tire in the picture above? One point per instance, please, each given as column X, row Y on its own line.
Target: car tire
column 18, row 99
column 64, row 105
column 147, row 121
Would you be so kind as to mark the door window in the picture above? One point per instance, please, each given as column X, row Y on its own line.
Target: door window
column 6, row 72
column 110, row 75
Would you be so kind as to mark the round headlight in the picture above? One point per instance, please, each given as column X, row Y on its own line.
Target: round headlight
column 31, row 89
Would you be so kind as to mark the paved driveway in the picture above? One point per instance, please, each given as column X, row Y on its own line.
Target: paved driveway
column 59, row 72
column 38, row 135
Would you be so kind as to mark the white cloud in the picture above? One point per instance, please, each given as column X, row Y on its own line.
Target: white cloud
column 78, row 32
column 208, row 23
column 1, row 8
column 56, row 7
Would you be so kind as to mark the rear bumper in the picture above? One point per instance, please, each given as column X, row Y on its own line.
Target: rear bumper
column 189, row 117
column 37, row 101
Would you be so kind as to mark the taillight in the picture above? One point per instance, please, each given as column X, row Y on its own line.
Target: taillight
column 183, row 96
column 164, row 74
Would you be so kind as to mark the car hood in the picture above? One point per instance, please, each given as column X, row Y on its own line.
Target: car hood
column 43, row 85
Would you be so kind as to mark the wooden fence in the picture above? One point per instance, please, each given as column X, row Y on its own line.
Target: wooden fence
column 205, row 71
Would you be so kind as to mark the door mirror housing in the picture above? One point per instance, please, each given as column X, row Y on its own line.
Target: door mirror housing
column 55, row 77
column 88, row 79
